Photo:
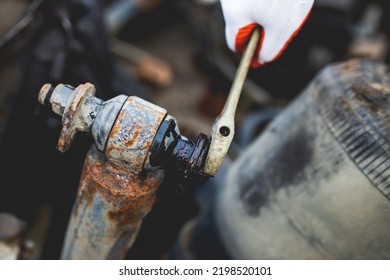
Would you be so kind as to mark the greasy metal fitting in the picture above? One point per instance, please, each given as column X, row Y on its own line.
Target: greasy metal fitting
column 177, row 153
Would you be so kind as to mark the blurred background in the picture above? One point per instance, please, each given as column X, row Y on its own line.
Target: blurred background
column 170, row 52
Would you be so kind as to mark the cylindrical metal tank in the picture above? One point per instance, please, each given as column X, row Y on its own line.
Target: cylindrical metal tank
column 316, row 184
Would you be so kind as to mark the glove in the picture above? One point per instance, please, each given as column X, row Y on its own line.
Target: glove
column 281, row 20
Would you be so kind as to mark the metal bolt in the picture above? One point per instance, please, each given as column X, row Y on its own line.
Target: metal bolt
column 45, row 90
column 76, row 106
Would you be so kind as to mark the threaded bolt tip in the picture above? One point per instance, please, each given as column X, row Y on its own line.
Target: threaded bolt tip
column 44, row 92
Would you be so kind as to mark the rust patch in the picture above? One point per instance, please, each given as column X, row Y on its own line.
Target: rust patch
column 130, row 142
column 132, row 134
column 133, row 214
column 130, row 195
column 116, row 129
column 86, row 191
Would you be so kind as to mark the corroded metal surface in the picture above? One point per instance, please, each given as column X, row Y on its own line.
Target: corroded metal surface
column 118, row 184
column 77, row 106
column 133, row 133
column 109, row 209
column 117, row 189
column 105, row 119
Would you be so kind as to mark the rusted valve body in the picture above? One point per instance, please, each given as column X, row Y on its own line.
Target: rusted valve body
column 123, row 172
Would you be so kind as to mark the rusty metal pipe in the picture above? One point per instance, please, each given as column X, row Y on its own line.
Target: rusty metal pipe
column 118, row 186
column 123, row 170
column 111, row 204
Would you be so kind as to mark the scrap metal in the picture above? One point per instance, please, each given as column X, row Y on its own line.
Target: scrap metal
column 123, row 171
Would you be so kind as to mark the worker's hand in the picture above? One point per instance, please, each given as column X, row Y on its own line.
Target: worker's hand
column 280, row 21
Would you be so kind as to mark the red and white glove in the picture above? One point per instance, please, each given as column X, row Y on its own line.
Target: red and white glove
column 280, row 20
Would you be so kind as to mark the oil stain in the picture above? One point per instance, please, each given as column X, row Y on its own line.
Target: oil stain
column 289, row 162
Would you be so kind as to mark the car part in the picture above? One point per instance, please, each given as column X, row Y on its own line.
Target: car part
column 134, row 139
column 316, row 184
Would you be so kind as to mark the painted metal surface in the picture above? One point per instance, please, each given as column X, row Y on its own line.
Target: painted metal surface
column 223, row 129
